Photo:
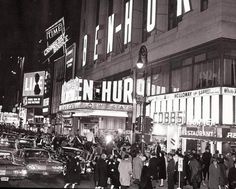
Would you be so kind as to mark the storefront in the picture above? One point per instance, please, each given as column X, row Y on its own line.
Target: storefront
column 195, row 119
column 104, row 116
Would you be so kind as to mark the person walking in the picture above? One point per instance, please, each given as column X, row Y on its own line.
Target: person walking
column 206, row 161
column 171, row 171
column 195, row 169
column 161, row 166
column 232, row 176
column 125, row 170
column 153, row 167
column 113, row 172
column 101, row 172
column 137, row 168
column 214, row 175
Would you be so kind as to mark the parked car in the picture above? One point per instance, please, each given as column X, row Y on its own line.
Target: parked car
column 39, row 162
column 9, row 168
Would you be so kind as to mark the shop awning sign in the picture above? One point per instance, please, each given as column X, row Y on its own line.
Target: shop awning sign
column 96, row 106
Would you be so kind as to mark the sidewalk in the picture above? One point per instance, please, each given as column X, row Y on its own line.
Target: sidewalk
column 89, row 184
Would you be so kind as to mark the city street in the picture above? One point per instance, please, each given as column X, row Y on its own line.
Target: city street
column 59, row 183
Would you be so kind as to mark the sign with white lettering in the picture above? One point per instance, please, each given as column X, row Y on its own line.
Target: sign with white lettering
column 32, row 101
column 110, row 91
column 33, row 84
column 180, row 164
column 168, row 118
column 96, row 106
column 196, row 131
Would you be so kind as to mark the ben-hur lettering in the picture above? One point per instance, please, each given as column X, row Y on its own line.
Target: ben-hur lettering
column 183, row 6
column 110, row 91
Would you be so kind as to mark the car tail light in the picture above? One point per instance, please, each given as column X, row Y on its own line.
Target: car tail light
column 32, row 167
column 22, row 172
column 59, row 167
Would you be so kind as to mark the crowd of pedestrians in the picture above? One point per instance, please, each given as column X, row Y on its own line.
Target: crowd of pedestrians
column 118, row 164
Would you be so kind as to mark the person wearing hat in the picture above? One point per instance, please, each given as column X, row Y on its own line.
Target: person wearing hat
column 171, row 171
column 214, row 175
column 232, row 176
column 125, row 170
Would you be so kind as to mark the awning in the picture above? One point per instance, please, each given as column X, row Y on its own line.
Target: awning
column 101, row 113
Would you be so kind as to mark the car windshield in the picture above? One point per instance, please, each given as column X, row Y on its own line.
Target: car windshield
column 7, row 144
column 5, row 158
column 36, row 154
column 25, row 144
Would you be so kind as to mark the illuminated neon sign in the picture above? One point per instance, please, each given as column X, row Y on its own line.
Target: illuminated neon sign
column 183, row 7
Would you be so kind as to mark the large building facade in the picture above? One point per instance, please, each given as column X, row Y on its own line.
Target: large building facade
column 191, row 68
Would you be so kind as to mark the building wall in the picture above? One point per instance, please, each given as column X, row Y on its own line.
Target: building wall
column 195, row 29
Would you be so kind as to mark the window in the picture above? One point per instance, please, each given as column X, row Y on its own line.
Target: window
column 206, row 74
column 230, row 72
column 160, row 80
column 145, row 34
column 204, row 5
column 110, row 7
column 98, row 11
column 172, row 15
column 181, row 79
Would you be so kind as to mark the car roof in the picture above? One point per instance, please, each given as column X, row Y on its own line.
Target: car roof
column 34, row 149
column 72, row 148
column 7, row 151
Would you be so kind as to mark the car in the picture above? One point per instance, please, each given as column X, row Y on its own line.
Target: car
column 9, row 168
column 39, row 162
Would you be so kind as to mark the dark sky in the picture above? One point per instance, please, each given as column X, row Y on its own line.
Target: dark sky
column 22, row 26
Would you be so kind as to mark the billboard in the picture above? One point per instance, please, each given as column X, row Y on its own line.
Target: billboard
column 33, row 84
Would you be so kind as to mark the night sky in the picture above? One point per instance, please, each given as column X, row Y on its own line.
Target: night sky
column 22, row 33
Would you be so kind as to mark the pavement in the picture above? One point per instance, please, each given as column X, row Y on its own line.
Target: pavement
column 84, row 184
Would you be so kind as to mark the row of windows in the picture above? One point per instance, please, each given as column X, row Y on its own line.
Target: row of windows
column 189, row 74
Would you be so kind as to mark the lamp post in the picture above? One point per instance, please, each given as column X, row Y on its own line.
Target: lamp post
column 142, row 64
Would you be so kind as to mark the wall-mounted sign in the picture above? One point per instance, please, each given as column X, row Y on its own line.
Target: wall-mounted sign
column 32, row 101
column 110, row 91
column 169, row 117
column 228, row 91
column 204, row 131
column 188, row 94
column 33, row 84
column 46, row 102
column 96, row 106
column 70, row 61
column 56, row 38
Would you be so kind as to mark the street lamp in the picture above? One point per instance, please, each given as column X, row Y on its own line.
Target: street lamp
column 142, row 63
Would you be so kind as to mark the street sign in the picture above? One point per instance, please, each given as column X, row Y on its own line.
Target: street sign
column 180, row 164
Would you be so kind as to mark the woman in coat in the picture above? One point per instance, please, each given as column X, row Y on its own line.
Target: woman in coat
column 214, row 175
column 145, row 180
column 162, row 167
column 125, row 170
column 137, row 168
